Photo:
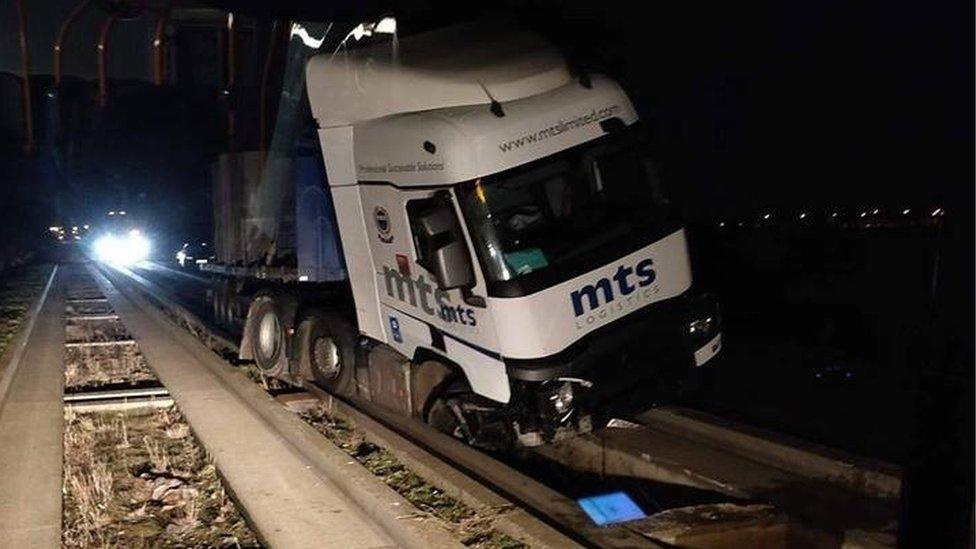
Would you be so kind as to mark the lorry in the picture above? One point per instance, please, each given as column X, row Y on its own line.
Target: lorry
column 473, row 235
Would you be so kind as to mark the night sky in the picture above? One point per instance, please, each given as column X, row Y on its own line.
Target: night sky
column 768, row 105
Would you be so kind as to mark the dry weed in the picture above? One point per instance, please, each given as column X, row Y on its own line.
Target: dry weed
column 89, row 367
column 163, row 492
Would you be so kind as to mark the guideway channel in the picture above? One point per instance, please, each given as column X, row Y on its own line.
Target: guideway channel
column 279, row 470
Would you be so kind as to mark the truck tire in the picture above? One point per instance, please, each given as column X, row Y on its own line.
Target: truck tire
column 327, row 349
column 268, row 339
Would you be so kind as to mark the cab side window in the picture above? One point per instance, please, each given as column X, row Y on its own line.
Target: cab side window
column 439, row 242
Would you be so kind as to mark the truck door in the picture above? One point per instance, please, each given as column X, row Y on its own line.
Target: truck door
column 452, row 322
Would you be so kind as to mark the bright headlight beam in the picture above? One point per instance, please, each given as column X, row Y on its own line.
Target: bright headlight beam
column 132, row 248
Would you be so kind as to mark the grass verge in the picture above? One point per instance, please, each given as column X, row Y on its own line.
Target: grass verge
column 472, row 527
column 18, row 288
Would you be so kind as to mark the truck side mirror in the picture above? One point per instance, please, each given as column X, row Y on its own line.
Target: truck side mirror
column 442, row 246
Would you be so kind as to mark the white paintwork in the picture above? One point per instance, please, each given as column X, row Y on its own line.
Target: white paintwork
column 413, row 332
column 394, row 201
column 486, row 375
column 450, row 67
column 338, row 157
column 470, row 141
column 544, row 323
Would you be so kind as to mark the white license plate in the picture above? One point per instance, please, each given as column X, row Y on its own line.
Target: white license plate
column 708, row 350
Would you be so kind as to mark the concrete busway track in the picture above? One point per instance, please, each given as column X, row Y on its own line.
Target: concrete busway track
column 826, row 498
column 31, row 425
column 293, row 485
column 126, row 292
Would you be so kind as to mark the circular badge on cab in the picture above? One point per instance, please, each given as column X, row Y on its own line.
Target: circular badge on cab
column 382, row 219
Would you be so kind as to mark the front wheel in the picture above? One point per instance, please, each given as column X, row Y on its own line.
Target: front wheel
column 460, row 414
column 327, row 350
column 446, row 416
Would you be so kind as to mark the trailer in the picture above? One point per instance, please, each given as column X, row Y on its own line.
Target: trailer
column 474, row 235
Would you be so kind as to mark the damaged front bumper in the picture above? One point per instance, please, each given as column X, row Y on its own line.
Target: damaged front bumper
column 630, row 365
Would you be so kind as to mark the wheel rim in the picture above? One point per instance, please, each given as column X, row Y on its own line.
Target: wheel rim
column 269, row 337
column 325, row 357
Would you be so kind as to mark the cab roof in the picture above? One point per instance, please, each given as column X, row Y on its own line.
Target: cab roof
column 464, row 65
column 451, row 145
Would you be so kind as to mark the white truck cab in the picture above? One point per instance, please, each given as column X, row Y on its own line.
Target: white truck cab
column 513, row 261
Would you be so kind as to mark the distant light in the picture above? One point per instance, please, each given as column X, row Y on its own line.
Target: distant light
column 201, row 262
column 77, row 237
column 204, row 244
column 803, row 215
column 721, row 224
column 303, row 278
column 74, row 230
column 124, row 251
column 84, row 227
column 181, row 257
column 937, row 212
column 767, row 216
column 134, row 232
column 54, row 229
column 864, row 214
column 122, row 212
column 906, row 211
column 111, row 213
column 833, row 214
column 875, row 212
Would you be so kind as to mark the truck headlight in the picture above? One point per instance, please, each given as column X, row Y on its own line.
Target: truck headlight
column 132, row 248
column 704, row 319
column 701, row 326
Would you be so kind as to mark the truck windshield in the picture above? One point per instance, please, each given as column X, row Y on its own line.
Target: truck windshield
column 567, row 211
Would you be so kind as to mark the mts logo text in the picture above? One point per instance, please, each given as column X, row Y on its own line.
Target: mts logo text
column 623, row 283
column 420, row 293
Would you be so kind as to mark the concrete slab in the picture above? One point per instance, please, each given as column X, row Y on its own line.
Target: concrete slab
column 870, row 477
column 721, row 525
column 648, row 453
column 31, row 430
column 294, row 486
column 298, row 402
